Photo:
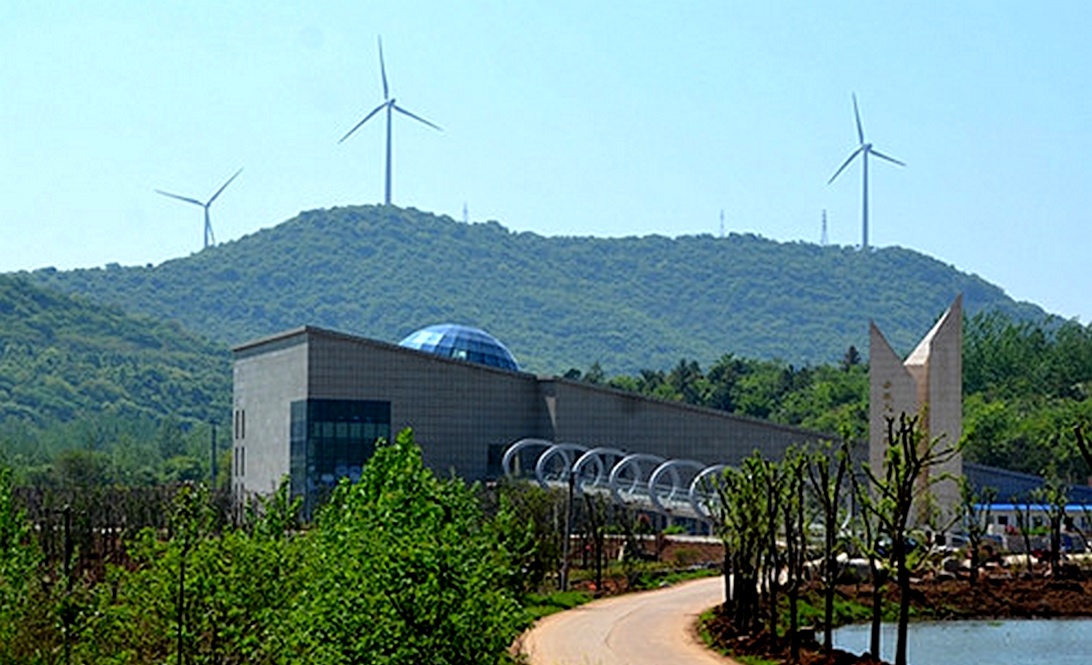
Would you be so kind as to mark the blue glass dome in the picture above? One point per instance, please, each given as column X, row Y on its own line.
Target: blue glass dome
column 463, row 343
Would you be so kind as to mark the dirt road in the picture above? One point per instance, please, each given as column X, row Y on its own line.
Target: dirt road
column 649, row 628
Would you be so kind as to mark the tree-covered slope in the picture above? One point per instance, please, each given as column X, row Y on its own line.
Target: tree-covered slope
column 561, row 302
column 63, row 357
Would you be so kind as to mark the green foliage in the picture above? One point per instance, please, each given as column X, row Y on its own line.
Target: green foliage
column 62, row 357
column 19, row 561
column 228, row 593
column 403, row 568
column 1026, row 385
column 558, row 302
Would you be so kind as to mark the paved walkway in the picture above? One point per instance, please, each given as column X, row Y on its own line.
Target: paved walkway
column 647, row 628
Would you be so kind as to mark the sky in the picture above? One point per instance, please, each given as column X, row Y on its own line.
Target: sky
column 559, row 118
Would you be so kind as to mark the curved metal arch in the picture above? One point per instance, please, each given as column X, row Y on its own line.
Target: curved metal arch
column 596, row 457
column 563, row 449
column 700, row 503
column 670, row 467
column 515, row 448
column 632, row 460
column 630, row 477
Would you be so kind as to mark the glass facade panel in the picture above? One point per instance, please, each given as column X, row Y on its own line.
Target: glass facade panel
column 332, row 439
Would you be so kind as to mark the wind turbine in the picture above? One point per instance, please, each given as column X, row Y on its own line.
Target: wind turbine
column 391, row 106
column 210, row 239
column 864, row 149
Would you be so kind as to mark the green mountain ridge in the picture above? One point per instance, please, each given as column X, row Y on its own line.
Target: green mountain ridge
column 62, row 357
column 557, row 302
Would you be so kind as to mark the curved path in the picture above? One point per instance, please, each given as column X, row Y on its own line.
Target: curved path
column 648, row 628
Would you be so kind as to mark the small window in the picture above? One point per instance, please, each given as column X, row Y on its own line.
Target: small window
column 240, row 424
column 1003, row 520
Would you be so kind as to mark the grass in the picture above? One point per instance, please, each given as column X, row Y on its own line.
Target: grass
column 538, row 605
column 653, row 579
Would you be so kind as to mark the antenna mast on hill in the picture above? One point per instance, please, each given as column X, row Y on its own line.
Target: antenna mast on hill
column 823, row 238
column 466, row 215
column 722, row 222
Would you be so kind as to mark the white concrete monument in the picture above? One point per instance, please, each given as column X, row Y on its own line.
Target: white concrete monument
column 928, row 384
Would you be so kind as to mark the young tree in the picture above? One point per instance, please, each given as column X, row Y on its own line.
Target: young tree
column 1023, row 523
column 908, row 459
column 1053, row 496
column 404, row 568
column 794, row 513
column 743, row 528
column 975, row 510
column 874, row 513
column 827, row 469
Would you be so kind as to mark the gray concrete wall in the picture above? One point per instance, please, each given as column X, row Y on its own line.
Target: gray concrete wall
column 267, row 378
column 456, row 409
column 596, row 416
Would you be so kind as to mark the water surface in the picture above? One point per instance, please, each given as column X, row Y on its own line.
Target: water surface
column 1013, row 642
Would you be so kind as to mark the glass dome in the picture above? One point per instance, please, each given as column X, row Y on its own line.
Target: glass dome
column 461, row 342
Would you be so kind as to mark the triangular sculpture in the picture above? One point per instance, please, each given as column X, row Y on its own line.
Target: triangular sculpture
column 928, row 383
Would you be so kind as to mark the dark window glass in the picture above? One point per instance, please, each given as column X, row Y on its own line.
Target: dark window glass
column 332, row 439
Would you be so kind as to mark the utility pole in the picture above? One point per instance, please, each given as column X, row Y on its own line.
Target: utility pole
column 568, row 534
column 212, row 457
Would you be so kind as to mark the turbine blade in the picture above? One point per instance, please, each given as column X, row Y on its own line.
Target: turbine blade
column 383, row 69
column 857, row 115
column 845, row 164
column 223, row 187
column 416, row 117
column 883, row 156
column 366, row 119
column 180, row 198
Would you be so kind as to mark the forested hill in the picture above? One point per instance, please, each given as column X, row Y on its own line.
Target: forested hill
column 62, row 357
column 557, row 302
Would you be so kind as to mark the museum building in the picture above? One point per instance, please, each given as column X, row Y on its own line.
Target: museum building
column 309, row 404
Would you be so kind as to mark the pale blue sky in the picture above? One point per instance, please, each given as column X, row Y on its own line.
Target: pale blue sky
column 562, row 118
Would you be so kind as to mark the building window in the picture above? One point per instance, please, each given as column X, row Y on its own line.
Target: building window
column 331, row 439
column 240, row 424
column 1003, row 520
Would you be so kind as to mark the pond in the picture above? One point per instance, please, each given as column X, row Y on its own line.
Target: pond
column 1012, row 642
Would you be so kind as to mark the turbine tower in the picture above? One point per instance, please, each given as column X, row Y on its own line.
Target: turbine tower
column 210, row 239
column 864, row 149
column 391, row 106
